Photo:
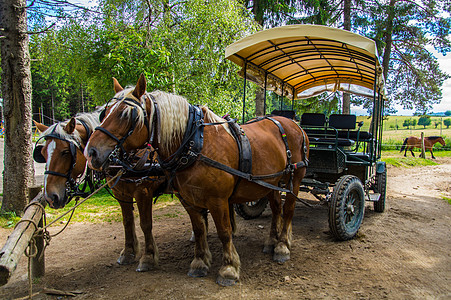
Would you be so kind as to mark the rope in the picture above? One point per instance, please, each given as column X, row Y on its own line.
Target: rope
column 31, row 251
column 82, row 201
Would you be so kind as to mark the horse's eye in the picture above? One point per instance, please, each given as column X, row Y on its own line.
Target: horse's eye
column 65, row 152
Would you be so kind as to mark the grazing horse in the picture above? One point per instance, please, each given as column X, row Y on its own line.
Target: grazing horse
column 429, row 142
column 65, row 163
column 166, row 121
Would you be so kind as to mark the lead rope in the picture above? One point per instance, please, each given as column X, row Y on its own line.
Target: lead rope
column 31, row 251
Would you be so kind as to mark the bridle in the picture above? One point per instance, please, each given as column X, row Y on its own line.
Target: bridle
column 119, row 155
column 71, row 183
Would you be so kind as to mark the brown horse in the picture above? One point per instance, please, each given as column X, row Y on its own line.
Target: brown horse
column 429, row 142
column 65, row 162
column 202, row 186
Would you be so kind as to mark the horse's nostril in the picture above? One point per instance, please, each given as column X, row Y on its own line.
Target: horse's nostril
column 55, row 200
column 92, row 152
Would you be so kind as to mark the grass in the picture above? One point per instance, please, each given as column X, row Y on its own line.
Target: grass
column 447, row 199
column 98, row 209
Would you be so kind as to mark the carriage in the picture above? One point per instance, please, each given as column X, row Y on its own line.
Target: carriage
column 302, row 61
column 197, row 149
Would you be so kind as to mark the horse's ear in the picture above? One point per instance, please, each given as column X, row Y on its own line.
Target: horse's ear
column 70, row 126
column 117, row 86
column 140, row 87
column 40, row 127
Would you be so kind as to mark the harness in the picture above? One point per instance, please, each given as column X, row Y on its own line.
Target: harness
column 191, row 147
column 72, row 188
column 119, row 157
column 259, row 179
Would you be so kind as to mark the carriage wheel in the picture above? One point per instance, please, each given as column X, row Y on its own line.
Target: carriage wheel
column 251, row 210
column 346, row 207
column 381, row 186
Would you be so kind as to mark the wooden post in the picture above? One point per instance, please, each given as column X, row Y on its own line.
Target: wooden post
column 18, row 240
column 422, row 155
column 38, row 261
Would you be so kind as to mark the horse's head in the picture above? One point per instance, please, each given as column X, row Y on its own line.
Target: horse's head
column 63, row 156
column 442, row 141
column 124, row 127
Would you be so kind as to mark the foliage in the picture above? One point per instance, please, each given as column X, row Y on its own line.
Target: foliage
column 447, row 122
column 425, row 121
column 448, row 113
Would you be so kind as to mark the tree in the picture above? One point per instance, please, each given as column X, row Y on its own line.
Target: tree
column 414, row 123
column 403, row 31
column 436, row 123
column 447, row 122
column 407, row 123
column 425, row 121
column 18, row 174
column 448, row 113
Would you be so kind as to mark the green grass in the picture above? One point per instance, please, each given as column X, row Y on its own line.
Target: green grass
column 98, row 209
column 447, row 199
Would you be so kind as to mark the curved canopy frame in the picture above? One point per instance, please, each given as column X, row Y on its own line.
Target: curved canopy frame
column 301, row 61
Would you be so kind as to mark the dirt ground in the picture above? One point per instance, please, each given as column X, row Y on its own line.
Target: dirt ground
column 403, row 253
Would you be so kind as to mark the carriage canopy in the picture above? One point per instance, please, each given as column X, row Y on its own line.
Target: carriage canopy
column 301, row 61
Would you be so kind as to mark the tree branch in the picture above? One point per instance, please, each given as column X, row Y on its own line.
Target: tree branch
column 41, row 31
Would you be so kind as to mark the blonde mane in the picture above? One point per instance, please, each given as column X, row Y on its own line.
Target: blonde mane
column 174, row 113
column 91, row 119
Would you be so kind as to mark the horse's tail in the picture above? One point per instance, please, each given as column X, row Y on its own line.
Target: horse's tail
column 404, row 145
column 232, row 217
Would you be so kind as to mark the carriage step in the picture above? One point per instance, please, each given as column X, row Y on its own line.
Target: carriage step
column 374, row 197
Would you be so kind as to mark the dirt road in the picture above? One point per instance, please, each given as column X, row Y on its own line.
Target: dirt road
column 400, row 254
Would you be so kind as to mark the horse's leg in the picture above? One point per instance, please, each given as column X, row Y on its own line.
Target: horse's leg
column 205, row 216
column 276, row 222
column 432, row 154
column 202, row 256
column 405, row 151
column 229, row 273
column 131, row 249
column 411, row 151
column 282, row 249
column 150, row 257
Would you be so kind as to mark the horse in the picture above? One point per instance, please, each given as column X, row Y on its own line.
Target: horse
column 206, row 176
column 429, row 142
column 65, row 164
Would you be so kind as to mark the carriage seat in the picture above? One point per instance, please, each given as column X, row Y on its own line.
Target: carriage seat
column 314, row 124
column 290, row 114
column 346, row 124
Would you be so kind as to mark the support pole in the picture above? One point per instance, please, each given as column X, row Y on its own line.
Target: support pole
column 244, row 90
column 19, row 239
column 422, row 155
column 38, row 261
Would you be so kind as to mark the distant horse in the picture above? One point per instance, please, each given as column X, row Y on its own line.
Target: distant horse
column 429, row 141
column 200, row 161
column 65, row 164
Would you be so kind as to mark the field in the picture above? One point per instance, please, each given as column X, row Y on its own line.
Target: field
column 392, row 138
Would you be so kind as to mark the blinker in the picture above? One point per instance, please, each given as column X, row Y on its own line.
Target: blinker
column 102, row 115
column 37, row 155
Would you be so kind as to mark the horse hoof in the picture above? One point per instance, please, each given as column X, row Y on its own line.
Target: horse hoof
column 197, row 272
column 268, row 249
column 143, row 268
column 281, row 257
column 126, row 259
column 225, row 281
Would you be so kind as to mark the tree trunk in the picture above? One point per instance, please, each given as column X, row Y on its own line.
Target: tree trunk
column 346, row 26
column 18, row 174
column 259, row 102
